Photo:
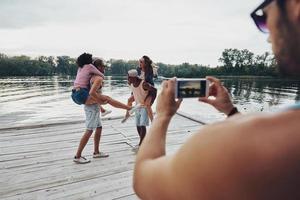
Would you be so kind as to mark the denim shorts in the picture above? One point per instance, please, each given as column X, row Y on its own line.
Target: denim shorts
column 80, row 96
column 141, row 117
column 92, row 116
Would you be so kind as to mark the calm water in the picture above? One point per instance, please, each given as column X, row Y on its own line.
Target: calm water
column 42, row 100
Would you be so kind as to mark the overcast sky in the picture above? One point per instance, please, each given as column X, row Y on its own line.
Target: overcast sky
column 169, row 31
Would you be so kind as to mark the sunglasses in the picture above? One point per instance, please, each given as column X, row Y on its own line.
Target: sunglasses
column 260, row 17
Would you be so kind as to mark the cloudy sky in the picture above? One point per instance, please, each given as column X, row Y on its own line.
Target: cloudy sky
column 169, row 31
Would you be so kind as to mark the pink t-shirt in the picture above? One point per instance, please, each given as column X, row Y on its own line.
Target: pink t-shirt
column 84, row 75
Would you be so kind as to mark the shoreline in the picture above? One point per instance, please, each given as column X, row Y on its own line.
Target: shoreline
column 23, row 127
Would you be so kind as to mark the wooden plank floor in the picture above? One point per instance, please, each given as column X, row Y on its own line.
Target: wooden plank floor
column 36, row 163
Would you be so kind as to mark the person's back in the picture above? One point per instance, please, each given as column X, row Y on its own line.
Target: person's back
column 80, row 92
column 84, row 75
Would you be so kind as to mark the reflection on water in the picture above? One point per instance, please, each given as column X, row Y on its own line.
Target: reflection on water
column 264, row 92
column 35, row 100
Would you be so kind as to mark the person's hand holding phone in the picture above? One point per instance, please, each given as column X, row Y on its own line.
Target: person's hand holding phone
column 222, row 100
column 167, row 105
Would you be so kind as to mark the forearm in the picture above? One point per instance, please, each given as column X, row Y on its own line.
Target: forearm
column 95, row 71
column 154, row 143
column 130, row 101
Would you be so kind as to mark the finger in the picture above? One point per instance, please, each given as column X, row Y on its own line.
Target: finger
column 212, row 91
column 164, row 85
column 171, row 87
column 172, row 83
column 213, row 80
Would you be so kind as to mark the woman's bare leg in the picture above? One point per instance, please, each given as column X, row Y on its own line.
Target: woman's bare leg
column 106, row 99
column 117, row 104
column 90, row 101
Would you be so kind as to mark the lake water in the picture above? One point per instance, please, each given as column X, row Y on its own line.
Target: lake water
column 43, row 100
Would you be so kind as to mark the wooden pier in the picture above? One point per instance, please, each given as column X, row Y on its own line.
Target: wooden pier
column 37, row 162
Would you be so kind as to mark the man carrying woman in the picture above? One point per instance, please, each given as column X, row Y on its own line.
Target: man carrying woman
column 145, row 72
column 88, row 81
column 140, row 90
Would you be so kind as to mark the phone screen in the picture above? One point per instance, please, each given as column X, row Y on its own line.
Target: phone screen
column 191, row 88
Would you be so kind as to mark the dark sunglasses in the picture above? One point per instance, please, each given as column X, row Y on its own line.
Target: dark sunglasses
column 260, row 17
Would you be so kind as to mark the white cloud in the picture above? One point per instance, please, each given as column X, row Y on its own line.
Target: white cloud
column 170, row 31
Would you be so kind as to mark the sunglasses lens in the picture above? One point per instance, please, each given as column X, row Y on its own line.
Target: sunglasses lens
column 262, row 25
column 261, row 21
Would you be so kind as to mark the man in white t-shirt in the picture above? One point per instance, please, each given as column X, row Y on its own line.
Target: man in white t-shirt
column 140, row 90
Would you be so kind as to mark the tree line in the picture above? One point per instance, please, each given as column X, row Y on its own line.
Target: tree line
column 234, row 62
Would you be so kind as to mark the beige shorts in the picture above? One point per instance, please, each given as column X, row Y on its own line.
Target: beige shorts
column 92, row 116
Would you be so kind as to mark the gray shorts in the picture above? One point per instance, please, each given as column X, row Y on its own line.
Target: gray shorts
column 141, row 117
column 92, row 116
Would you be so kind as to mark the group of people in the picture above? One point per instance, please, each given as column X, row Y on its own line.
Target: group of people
column 253, row 156
column 87, row 90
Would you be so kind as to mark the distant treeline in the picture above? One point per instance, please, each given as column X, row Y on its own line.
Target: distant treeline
column 233, row 62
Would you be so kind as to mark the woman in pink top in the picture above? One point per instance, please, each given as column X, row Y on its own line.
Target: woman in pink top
column 82, row 94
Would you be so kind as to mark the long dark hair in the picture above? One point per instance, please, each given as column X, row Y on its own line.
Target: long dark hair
column 148, row 70
column 84, row 59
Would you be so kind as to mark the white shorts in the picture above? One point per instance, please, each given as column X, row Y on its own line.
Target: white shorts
column 141, row 117
column 92, row 116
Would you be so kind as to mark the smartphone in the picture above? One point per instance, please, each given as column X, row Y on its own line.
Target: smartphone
column 191, row 88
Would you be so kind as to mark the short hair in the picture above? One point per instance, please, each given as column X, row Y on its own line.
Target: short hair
column 132, row 73
column 84, row 59
column 98, row 62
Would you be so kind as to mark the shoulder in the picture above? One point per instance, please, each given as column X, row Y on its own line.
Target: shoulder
column 262, row 126
column 269, row 123
column 96, row 78
column 239, row 147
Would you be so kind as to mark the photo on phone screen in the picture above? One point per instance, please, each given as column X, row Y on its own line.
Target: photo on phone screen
column 191, row 88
